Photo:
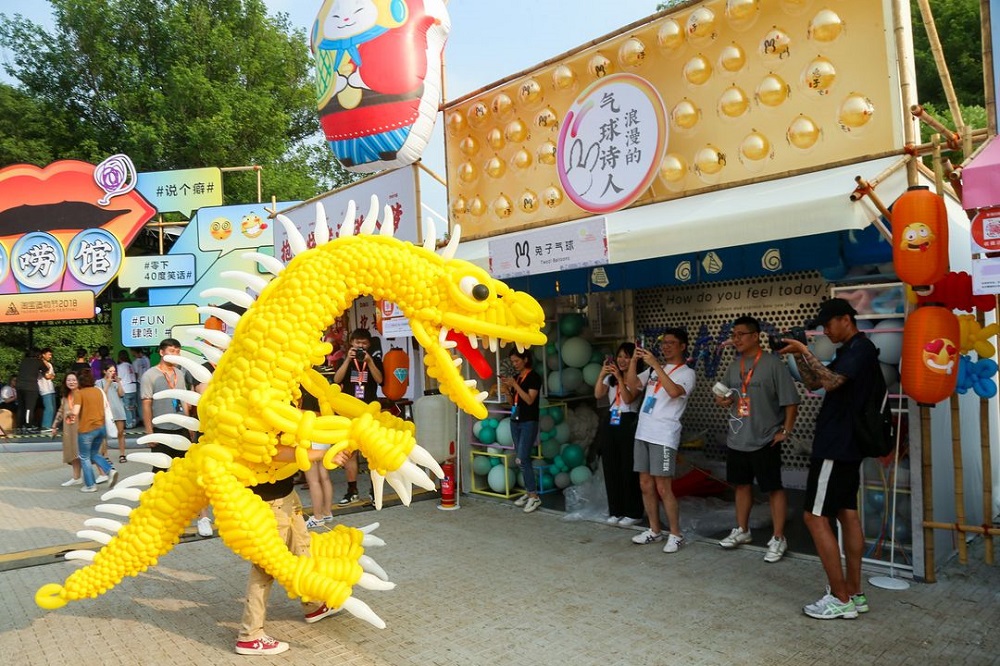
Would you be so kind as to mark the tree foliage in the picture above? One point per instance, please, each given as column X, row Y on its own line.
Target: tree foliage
column 174, row 84
column 958, row 28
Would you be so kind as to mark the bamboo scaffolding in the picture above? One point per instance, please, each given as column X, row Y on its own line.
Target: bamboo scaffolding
column 907, row 86
column 953, row 138
column 927, row 481
column 987, row 462
column 986, row 35
column 959, row 477
column 970, row 529
column 927, row 16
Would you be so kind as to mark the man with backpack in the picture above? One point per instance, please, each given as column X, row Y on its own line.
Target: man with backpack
column 835, row 466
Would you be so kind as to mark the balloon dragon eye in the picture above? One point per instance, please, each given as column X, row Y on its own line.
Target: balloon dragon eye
column 472, row 287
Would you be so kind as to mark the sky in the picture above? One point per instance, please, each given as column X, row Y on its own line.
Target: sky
column 489, row 40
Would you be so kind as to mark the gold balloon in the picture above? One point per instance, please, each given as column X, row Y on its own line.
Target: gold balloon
column 479, row 113
column 547, row 119
column 772, row 91
column 733, row 102
column 632, row 52
column 467, row 172
column 546, row 152
column 456, row 123
column 516, row 131
column 794, row 7
column 530, row 92
column 469, row 146
column 818, row 76
column 803, row 132
column 670, row 36
column 855, row 112
column 503, row 207
column 709, row 160
column 522, row 159
column 685, row 115
column 495, row 138
column 459, row 206
column 755, row 146
column 495, row 167
column 528, row 201
column 599, row 66
column 825, row 27
column 563, row 78
column 741, row 13
column 477, row 207
column 552, row 196
column 698, row 70
column 701, row 26
column 502, row 106
column 775, row 45
column 732, row 58
column 673, row 168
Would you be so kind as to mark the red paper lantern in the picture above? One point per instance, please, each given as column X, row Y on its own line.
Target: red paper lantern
column 395, row 373
column 920, row 237
column 929, row 366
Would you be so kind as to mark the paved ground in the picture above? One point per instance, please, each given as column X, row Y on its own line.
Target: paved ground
column 485, row 584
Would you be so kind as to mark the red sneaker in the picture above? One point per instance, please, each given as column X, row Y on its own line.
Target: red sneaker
column 262, row 645
column 320, row 613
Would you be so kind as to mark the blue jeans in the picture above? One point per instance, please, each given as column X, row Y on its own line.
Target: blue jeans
column 89, row 444
column 524, row 434
column 131, row 409
column 48, row 410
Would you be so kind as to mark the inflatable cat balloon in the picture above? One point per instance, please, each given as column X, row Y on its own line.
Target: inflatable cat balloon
column 378, row 78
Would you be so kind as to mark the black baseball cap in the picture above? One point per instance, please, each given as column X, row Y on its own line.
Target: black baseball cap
column 835, row 307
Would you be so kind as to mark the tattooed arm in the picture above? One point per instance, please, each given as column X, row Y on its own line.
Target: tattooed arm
column 814, row 374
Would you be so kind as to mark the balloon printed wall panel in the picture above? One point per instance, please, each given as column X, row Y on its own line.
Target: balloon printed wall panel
column 722, row 92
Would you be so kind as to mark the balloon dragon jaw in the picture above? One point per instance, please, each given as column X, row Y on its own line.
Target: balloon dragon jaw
column 247, row 408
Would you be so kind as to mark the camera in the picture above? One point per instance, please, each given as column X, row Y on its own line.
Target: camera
column 795, row 333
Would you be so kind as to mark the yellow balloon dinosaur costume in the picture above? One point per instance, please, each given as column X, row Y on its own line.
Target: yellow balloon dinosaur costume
column 246, row 410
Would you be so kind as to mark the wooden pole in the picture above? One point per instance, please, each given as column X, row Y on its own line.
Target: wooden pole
column 927, row 16
column 927, row 481
column 971, row 529
column 984, row 441
column 907, row 85
column 986, row 35
column 959, row 478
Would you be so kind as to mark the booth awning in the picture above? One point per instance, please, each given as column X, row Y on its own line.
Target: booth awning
column 981, row 178
column 792, row 207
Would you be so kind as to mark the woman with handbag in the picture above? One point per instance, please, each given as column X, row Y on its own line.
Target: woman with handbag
column 89, row 410
column 65, row 419
column 114, row 391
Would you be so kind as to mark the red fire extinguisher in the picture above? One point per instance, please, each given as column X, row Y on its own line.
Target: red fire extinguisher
column 449, row 484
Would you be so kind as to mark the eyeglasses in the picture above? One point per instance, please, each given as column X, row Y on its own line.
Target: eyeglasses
column 736, row 335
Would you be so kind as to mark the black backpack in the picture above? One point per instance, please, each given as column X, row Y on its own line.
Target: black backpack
column 872, row 425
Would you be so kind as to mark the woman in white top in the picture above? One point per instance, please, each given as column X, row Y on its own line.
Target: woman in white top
column 47, row 389
column 130, row 382
column 111, row 384
column 618, row 438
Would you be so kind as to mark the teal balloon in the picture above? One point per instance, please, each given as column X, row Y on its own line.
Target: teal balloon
column 504, row 438
column 546, row 435
column 481, row 465
column 493, row 423
column 558, row 414
column 573, row 455
column 590, row 373
column 546, row 481
column 597, row 356
column 562, row 432
column 476, row 427
column 550, row 449
column 550, row 349
column 565, row 381
column 495, row 461
column 576, row 352
column 562, row 480
column 579, row 475
column 557, row 461
column 500, row 479
column 487, row 434
column 571, row 324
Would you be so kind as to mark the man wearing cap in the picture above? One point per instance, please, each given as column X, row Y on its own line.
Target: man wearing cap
column 835, row 466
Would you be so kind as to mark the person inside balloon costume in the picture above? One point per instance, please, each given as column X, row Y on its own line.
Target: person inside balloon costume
column 523, row 390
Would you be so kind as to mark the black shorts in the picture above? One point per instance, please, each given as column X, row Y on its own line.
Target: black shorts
column 832, row 486
column 764, row 464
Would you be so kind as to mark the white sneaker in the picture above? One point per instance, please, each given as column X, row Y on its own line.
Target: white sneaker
column 673, row 543
column 830, row 607
column 101, row 479
column 625, row 521
column 88, row 489
column 775, row 549
column 205, row 527
column 649, row 536
column 612, row 520
column 736, row 538
column 532, row 504
column 520, row 501
column 71, row 482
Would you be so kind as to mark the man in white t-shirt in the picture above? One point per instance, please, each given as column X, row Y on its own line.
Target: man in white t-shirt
column 665, row 388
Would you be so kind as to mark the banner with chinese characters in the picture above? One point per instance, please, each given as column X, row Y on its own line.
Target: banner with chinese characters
column 712, row 94
column 572, row 245
column 65, row 228
column 182, row 190
column 146, row 327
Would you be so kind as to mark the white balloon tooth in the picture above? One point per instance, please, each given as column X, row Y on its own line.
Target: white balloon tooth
column 94, row 535
column 255, row 282
column 321, row 233
column 114, row 509
column 416, row 476
column 430, row 239
column 127, row 494
column 369, row 565
column 442, row 335
column 493, row 345
column 371, row 541
column 198, row 371
column 182, row 420
column 370, row 582
column 228, row 317
column 422, row 457
column 214, row 337
column 295, row 240
column 271, row 264
column 360, row 610
column 519, row 346
column 347, row 226
column 449, row 251
column 378, row 485
column 368, row 529
column 105, row 524
column 82, row 555
column 401, row 486
column 473, row 340
column 481, row 396
column 388, row 225
column 140, row 480
column 234, row 296
column 371, row 217
column 212, row 354
column 176, row 442
column 449, row 344
column 190, row 397
column 457, row 362
column 155, row 459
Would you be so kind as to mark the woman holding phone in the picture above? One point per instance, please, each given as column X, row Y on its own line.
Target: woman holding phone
column 620, row 479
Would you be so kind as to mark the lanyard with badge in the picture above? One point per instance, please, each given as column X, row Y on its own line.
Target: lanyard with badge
column 743, row 404
column 171, row 381
column 514, row 415
column 650, row 401
column 359, row 377
column 616, row 411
